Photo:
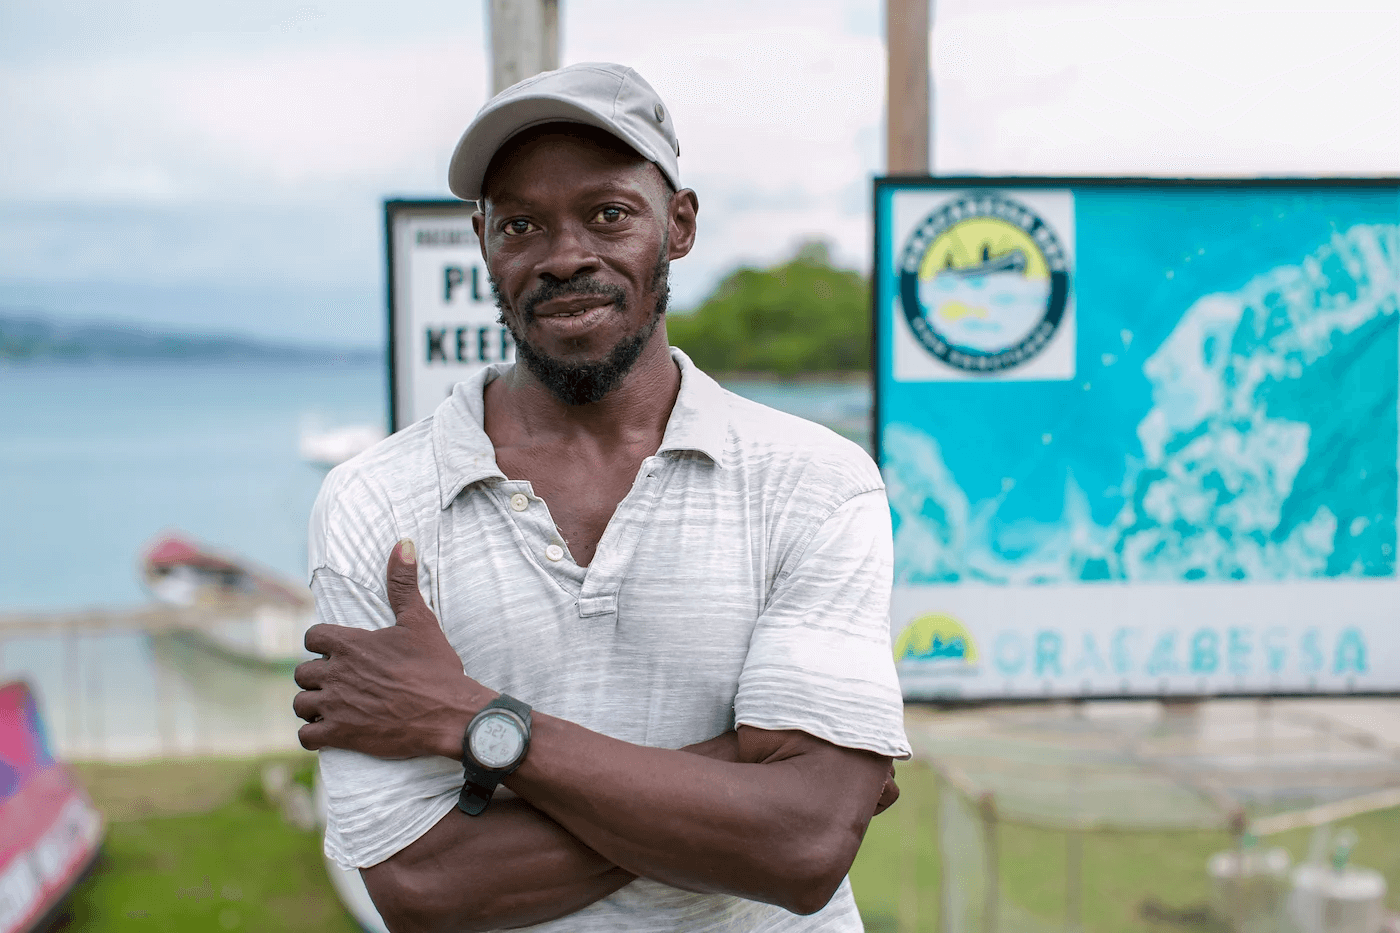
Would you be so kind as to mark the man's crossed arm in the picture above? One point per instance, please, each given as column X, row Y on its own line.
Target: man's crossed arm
column 770, row 816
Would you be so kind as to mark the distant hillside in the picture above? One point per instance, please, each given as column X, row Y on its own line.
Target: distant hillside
column 799, row 317
column 32, row 337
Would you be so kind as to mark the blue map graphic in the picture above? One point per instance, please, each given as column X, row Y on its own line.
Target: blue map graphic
column 1233, row 416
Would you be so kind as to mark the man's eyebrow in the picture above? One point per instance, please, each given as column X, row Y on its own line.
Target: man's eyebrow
column 600, row 190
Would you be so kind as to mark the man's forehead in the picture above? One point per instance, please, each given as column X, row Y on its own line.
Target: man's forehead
column 522, row 193
column 601, row 163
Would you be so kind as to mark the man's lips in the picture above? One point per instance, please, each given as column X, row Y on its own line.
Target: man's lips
column 573, row 322
column 572, row 306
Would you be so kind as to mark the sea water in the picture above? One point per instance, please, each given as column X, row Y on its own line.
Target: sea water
column 984, row 313
column 98, row 460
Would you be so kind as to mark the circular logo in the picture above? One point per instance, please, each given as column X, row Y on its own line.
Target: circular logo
column 937, row 638
column 983, row 282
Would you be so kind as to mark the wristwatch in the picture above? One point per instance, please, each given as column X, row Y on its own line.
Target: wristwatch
column 494, row 745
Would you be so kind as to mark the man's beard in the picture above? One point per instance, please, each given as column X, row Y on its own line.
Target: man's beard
column 585, row 383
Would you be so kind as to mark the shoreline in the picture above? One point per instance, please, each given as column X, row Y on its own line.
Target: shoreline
column 848, row 377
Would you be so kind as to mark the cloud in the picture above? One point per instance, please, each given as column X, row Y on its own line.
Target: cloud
column 344, row 115
column 778, row 116
column 293, row 122
column 1194, row 88
column 169, row 143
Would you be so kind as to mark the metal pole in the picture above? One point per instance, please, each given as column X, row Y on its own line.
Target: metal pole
column 524, row 39
column 97, row 703
column 945, row 885
column 908, row 867
column 907, row 105
column 1074, row 879
column 72, row 694
column 990, row 921
column 165, row 710
column 1074, row 850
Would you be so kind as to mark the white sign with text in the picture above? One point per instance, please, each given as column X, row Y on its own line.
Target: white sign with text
column 442, row 318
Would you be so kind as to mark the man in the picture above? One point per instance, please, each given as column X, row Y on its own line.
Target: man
column 652, row 612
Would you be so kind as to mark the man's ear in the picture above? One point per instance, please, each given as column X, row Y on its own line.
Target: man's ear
column 682, row 210
column 479, row 228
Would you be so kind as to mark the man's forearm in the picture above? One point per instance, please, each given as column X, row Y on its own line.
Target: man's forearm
column 780, row 825
column 511, row 866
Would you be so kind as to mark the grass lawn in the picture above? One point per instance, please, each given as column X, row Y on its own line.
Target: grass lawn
column 1122, row 871
column 194, row 846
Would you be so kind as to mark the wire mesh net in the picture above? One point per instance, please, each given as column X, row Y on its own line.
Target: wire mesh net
column 1105, row 816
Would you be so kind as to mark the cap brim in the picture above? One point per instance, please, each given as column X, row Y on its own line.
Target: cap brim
column 489, row 131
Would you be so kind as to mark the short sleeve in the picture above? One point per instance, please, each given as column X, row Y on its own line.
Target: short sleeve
column 375, row 807
column 820, row 659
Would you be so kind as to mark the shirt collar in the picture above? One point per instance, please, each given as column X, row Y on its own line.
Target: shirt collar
column 699, row 422
column 700, row 418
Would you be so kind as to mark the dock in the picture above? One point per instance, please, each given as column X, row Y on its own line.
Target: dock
column 152, row 619
column 105, row 700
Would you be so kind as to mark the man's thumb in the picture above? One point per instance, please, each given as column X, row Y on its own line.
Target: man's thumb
column 402, row 585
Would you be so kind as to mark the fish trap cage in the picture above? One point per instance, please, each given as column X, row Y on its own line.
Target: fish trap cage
column 1104, row 817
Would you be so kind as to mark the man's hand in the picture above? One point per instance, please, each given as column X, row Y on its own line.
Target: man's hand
column 398, row 692
column 888, row 794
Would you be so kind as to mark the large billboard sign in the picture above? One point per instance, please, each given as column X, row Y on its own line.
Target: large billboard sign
column 1139, row 436
column 443, row 324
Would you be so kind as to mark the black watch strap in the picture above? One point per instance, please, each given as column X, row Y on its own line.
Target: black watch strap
column 480, row 784
column 474, row 798
column 506, row 701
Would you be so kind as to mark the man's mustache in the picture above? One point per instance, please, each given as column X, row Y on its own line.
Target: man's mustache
column 578, row 285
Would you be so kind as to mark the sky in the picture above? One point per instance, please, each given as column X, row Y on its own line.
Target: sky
column 222, row 167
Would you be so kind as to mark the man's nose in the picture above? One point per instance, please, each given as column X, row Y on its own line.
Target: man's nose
column 571, row 253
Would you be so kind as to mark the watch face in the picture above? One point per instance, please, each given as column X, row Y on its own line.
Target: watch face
column 497, row 740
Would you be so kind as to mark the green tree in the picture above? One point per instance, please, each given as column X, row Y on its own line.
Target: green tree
column 802, row 316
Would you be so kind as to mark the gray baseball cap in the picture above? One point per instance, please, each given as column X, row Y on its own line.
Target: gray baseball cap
column 611, row 97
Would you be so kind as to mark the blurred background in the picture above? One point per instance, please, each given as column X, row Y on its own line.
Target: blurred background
column 193, row 328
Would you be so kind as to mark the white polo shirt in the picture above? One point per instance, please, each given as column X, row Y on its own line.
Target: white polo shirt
column 744, row 579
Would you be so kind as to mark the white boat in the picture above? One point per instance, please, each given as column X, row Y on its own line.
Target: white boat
column 239, row 611
column 331, row 448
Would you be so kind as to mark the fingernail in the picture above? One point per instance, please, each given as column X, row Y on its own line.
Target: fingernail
column 407, row 552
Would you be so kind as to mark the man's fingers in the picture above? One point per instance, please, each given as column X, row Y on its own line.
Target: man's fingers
column 888, row 794
column 324, row 638
column 401, row 583
column 307, row 705
column 311, row 675
column 313, row 736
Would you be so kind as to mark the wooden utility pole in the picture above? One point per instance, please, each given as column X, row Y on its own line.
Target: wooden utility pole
column 524, row 39
column 907, row 103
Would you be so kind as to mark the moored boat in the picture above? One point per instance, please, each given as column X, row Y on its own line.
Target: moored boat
column 331, row 448
column 239, row 611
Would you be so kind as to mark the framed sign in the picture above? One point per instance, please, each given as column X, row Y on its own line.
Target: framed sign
column 1139, row 435
column 442, row 317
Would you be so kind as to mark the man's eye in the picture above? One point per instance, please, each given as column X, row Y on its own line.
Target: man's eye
column 609, row 215
column 516, row 227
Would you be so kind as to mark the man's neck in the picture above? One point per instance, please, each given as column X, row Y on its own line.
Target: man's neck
column 521, row 411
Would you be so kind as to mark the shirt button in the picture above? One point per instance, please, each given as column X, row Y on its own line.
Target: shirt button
column 554, row 552
column 520, row 502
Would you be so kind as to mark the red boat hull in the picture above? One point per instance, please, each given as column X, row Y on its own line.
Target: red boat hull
column 50, row 833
